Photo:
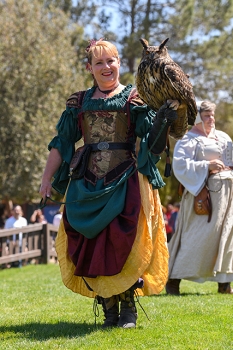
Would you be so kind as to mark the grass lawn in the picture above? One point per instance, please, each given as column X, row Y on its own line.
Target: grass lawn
column 39, row 312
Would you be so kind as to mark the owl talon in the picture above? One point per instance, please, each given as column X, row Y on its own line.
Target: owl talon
column 174, row 104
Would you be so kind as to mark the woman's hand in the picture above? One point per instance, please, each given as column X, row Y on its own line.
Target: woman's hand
column 216, row 165
column 45, row 189
column 53, row 162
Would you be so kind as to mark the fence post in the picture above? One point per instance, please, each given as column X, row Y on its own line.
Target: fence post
column 45, row 249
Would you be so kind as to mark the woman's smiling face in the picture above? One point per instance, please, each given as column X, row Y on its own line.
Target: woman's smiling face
column 105, row 68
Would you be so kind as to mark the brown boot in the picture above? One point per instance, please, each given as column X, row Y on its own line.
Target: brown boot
column 173, row 287
column 128, row 312
column 225, row 288
column 111, row 310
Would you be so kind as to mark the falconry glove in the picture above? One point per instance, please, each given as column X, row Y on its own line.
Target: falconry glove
column 158, row 135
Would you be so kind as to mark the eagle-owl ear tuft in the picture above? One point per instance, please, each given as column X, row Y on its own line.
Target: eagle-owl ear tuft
column 163, row 43
column 144, row 43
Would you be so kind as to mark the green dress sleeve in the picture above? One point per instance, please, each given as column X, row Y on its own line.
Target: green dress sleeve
column 68, row 134
column 143, row 118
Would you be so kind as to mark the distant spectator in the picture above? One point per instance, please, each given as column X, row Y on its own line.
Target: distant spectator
column 172, row 219
column 2, row 218
column 16, row 220
column 38, row 217
column 57, row 218
column 167, row 216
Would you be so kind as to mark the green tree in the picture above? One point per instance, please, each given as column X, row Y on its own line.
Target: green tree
column 64, row 5
column 38, row 71
column 201, row 42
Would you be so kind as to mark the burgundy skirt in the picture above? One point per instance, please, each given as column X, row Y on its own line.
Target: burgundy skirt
column 106, row 254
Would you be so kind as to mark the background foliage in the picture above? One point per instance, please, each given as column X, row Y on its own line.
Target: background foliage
column 42, row 62
column 38, row 70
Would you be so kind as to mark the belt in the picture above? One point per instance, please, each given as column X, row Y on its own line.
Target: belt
column 104, row 146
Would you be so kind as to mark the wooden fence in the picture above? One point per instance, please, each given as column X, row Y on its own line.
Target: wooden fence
column 24, row 244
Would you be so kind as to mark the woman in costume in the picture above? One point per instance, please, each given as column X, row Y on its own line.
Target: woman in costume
column 202, row 250
column 111, row 240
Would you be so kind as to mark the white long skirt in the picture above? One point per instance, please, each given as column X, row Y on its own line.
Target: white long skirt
column 201, row 251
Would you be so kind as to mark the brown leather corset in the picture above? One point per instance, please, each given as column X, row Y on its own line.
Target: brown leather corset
column 106, row 126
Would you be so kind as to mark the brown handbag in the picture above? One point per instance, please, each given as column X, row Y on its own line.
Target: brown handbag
column 79, row 162
column 202, row 203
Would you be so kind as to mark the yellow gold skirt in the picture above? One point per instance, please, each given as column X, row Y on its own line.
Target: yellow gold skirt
column 148, row 258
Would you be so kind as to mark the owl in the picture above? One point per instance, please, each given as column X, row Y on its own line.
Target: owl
column 158, row 79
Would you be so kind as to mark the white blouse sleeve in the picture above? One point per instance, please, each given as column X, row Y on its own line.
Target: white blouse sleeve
column 191, row 173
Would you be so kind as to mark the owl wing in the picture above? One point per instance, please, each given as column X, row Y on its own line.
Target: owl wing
column 182, row 85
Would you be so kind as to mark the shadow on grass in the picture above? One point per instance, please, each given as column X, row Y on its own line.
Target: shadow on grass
column 165, row 295
column 44, row 331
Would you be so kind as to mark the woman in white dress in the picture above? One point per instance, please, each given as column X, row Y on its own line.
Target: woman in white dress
column 200, row 250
